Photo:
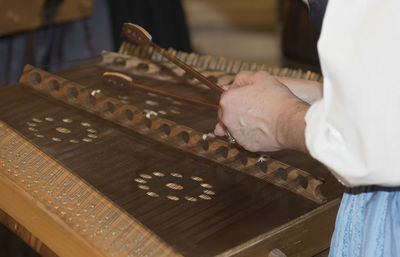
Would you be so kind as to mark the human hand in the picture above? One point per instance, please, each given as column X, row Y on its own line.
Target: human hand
column 259, row 112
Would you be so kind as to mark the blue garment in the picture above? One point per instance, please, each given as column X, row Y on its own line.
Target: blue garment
column 57, row 46
column 368, row 223
column 317, row 12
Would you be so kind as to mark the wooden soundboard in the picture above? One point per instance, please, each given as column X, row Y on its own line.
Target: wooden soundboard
column 87, row 169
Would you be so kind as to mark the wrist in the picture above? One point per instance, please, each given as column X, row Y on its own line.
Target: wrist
column 290, row 130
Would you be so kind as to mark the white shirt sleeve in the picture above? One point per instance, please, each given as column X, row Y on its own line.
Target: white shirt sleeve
column 355, row 128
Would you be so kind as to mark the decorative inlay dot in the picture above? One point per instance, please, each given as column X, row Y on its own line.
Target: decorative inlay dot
column 206, row 185
column 174, row 111
column 205, row 197
column 196, row 178
column 141, row 181
column 67, row 120
column 173, row 198
column 145, row 176
column 144, row 187
column 63, row 130
column 152, row 194
column 191, row 198
column 176, row 175
column 158, row 174
column 151, row 103
column 209, row 192
column 86, row 124
column 174, row 186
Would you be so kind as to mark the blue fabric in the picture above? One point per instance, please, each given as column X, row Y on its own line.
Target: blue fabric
column 368, row 223
column 58, row 46
column 317, row 12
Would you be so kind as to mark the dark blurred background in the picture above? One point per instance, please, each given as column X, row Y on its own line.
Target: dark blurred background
column 56, row 34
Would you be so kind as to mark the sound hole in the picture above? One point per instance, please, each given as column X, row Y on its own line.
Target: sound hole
column 119, row 61
column 108, row 108
column 165, row 129
column 142, row 67
column 263, row 166
column 72, row 93
column 302, row 181
column 54, row 86
column 241, row 159
column 184, row 137
column 221, row 153
column 127, row 116
column 202, row 145
column 36, row 78
column 174, row 186
column 281, row 174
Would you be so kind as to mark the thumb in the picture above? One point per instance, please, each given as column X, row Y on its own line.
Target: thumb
column 220, row 129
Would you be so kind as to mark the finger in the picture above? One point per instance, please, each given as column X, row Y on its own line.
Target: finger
column 243, row 78
column 220, row 129
column 219, row 114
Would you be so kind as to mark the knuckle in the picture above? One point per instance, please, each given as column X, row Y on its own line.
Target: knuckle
column 261, row 74
column 225, row 100
column 241, row 76
column 251, row 148
column 220, row 114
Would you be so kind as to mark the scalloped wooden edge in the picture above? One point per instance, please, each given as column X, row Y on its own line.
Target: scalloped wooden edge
column 181, row 137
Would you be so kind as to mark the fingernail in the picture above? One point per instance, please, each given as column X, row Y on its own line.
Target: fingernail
column 226, row 87
column 219, row 131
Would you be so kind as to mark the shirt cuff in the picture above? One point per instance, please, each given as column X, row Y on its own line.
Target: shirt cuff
column 317, row 136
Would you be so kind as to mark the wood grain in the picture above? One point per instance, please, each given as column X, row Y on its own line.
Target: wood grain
column 38, row 205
